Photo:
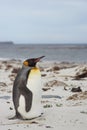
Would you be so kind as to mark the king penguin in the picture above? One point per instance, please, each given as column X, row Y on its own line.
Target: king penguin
column 27, row 90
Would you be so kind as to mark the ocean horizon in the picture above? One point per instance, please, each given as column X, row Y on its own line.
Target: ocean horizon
column 52, row 52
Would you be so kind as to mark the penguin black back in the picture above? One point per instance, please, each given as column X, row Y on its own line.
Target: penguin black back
column 20, row 88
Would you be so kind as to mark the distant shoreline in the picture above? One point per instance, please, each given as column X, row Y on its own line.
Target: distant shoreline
column 6, row 42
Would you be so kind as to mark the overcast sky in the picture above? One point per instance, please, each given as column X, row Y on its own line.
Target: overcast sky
column 43, row 21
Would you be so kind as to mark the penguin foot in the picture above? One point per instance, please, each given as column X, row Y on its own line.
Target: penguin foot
column 17, row 116
column 13, row 118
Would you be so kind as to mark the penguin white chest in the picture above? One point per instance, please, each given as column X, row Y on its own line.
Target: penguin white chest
column 34, row 85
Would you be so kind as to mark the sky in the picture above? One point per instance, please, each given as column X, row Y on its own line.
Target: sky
column 43, row 21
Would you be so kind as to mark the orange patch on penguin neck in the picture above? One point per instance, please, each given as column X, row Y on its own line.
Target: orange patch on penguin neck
column 35, row 70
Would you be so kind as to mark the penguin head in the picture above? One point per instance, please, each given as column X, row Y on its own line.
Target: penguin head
column 32, row 62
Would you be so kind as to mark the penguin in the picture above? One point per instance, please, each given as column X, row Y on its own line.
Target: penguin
column 27, row 90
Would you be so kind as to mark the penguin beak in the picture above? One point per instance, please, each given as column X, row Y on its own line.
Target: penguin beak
column 38, row 59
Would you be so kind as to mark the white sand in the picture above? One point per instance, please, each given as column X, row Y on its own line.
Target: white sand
column 59, row 113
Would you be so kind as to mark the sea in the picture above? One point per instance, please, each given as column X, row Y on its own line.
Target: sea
column 52, row 52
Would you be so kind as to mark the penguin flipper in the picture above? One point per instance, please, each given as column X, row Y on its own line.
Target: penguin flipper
column 28, row 97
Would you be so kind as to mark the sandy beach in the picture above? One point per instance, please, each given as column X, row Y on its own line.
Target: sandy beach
column 64, row 96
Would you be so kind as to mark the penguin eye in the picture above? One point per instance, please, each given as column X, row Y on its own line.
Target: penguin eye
column 26, row 63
